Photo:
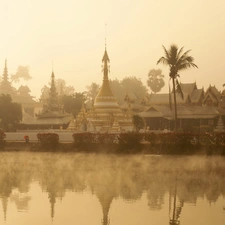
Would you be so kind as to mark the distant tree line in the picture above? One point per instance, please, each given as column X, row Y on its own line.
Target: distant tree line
column 10, row 113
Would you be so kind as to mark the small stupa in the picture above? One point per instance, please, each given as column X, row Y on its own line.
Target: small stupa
column 219, row 126
column 106, row 115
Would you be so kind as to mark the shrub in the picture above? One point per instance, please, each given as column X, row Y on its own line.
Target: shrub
column 2, row 139
column 130, row 141
column 48, row 140
column 152, row 138
column 93, row 141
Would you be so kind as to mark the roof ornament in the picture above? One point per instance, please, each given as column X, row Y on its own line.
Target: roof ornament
column 52, row 68
column 105, row 35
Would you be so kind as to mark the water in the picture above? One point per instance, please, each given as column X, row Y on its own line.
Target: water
column 84, row 189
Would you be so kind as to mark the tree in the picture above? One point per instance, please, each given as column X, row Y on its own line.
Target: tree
column 138, row 122
column 134, row 85
column 118, row 90
column 155, row 80
column 10, row 113
column 61, row 89
column 92, row 91
column 21, row 73
column 121, row 88
column 177, row 61
column 73, row 103
column 126, row 86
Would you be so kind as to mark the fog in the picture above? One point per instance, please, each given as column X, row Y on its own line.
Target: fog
column 72, row 35
column 110, row 178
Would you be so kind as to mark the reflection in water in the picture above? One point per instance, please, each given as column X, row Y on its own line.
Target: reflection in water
column 21, row 201
column 109, row 178
column 176, row 209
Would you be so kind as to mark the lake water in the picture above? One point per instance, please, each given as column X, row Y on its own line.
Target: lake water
column 84, row 189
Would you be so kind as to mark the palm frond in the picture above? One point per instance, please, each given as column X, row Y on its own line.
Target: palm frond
column 173, row 55
column 183, row 57
column 166, row 52
column 186, row 53
column 186, row 65
column 163, row 60
column 179, row 53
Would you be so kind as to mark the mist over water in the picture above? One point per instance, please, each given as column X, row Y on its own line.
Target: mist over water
column 55, row 188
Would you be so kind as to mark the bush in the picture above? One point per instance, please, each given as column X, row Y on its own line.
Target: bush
column 130, row 141
column 153, row 138
column 2, row 139
column 163, row 143
column 94, row 141
column 48, row 140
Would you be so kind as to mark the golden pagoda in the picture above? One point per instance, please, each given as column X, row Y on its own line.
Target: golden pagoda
column 106, row 115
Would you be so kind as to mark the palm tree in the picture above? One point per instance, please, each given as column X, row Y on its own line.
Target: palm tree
column 176, row 60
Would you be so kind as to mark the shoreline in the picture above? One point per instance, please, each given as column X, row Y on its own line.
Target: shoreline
column 143, row 148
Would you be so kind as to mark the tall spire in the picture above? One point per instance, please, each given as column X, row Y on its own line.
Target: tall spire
column 105, row 89
column 52, row 67
column 105, row 35
column 5, row 73
column 53, row 95
column 105, row 60
column 5, row 85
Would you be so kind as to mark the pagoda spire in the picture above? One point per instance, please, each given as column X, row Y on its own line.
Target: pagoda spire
column 105, row 61
column 5, row 73
column 53, row 95
column 105, row 89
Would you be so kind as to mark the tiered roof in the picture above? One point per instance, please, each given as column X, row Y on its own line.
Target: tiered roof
column 5, row 86
column 183, row 112
column 191, row 95
column 213, row 95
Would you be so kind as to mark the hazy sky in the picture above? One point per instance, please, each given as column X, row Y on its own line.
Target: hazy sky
column 71, row 33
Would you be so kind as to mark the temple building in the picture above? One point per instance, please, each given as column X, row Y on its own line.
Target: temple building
column 195, row 110
column 105, row 114
column 212, row 96
column 191, row 96
column 52, row 115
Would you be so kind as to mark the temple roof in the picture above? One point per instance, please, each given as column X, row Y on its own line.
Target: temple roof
column 134, row 106
column 188, row 112
column 163, row 99
column 214, row 91
column 211, row 96
column 157, row 111
column 188, row 87
column 46, row 121
column 196, row 95
column 132, row 97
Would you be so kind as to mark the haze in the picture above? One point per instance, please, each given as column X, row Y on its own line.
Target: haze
column 72, row 35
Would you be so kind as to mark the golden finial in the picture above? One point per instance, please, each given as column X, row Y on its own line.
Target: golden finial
column 105, row 35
